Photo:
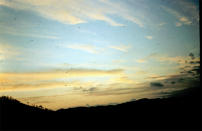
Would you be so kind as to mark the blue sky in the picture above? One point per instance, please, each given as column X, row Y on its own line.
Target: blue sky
column 100, row 43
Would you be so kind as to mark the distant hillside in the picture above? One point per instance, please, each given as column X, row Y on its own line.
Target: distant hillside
column 181, row 111
column 9, row 103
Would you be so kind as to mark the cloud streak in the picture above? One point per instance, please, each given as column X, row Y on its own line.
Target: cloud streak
column 156, row 84
column 76, row 12
column 122, row 48
column 35, row 80
column 186, row 13
column 149, row 37
column 141, row 61
column 84, row 47
column 62, row 73
column 17, row 32
column 7, row 51
column 176, row 59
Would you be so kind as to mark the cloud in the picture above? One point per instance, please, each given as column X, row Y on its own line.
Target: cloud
column 188, row 71
column 140, row 72
column 189, row 10
column 90, row 90
column 66, row 11
column 104, row 18
column 79, row 11
column 186, row 78
column 18, row 32
column 122, row 48
column 26, row 86
column 156, row 84
column 163, row 58
column 177, row 59
column 119, row 61
column 76, row 12
column 186, row 13
column 141, row 61
column 182, row 19
column 192, row 56
column 162, row 24
column 8, row 51
column 42, row 80
column 54, row 74
column 173, row 82
column 31, row 35
column 115, row 91
column 180, row 60
column 178, row 24
column 122, row 80
column 93, row 72
column 149, row 37
column 157, row 77
column 122, row 10
column 191, row 67
column 188, row 65
column 84, row 47
column 185, row 20
column 135, row 20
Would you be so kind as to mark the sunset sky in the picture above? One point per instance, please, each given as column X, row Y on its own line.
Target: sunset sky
column 68, row 53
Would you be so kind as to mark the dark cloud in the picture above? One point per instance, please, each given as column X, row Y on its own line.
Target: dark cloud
column 117, row 91
column 180, row 79
column 86, row 90
column 196, row 69
column 173, row 82
column 90, row 89
column 192, row 56
column 175, row 79
column 193, row 69
column 156, row 84
column 193, row 62
column 78, row 88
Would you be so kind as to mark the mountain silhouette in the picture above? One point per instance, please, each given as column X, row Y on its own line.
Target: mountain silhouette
column 181, row 111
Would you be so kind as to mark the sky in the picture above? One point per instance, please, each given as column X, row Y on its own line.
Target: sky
column 69, row 53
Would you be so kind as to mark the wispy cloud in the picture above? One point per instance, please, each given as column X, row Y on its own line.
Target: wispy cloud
column 15, row 32
column 122, row 48
column 76, row 12
column 31, row 35
column 162, row 24
column 189, row 10
column 119, row 61
column 141, row 61
column 66, row 11
column 164, row 58
column 123, row 11
column 149, row 37
column 185, row 20
column 122, row 80
column 176, row 59
column 178, row 24
column 84, row 47
column 54, row 74
column 188, row 66
column 185, row 63
column 7, row 51
column 49, row 79
column 187, row 15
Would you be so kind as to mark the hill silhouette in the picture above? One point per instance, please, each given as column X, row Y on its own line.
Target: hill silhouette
column 180, row 111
